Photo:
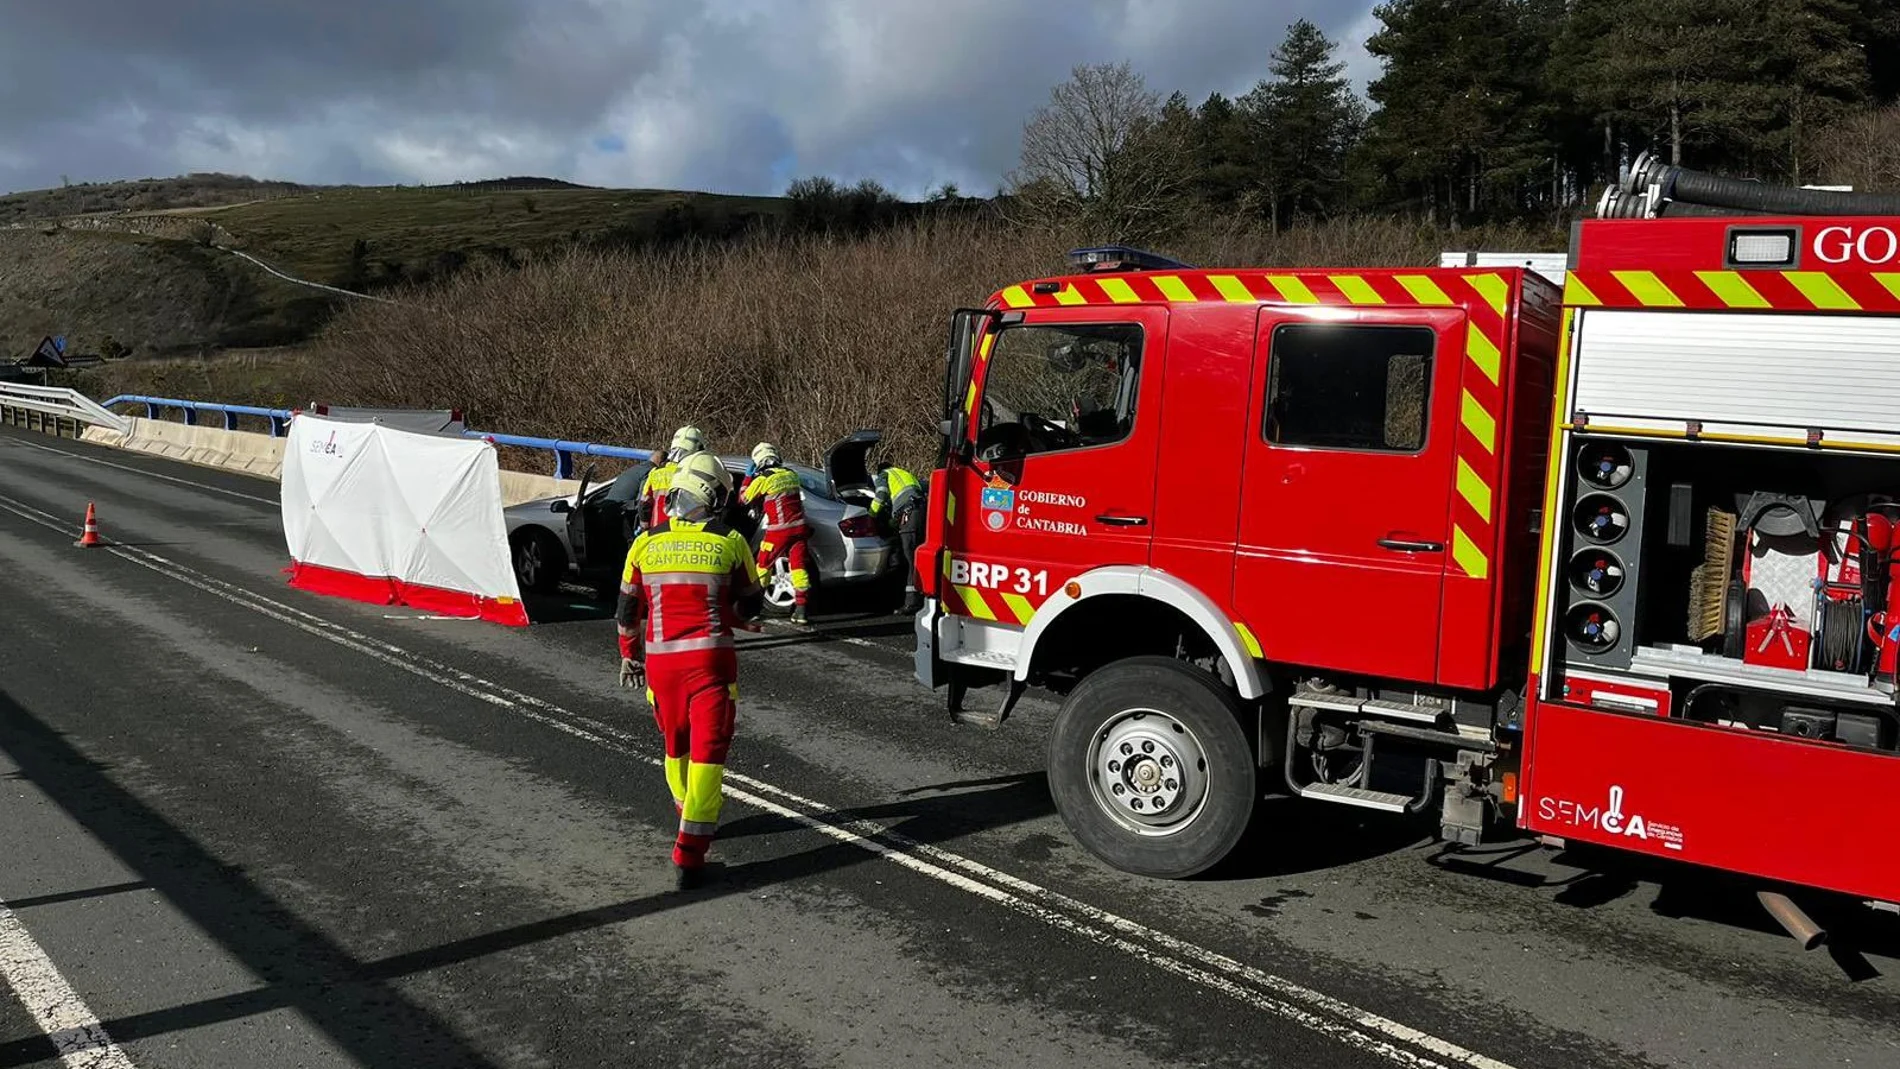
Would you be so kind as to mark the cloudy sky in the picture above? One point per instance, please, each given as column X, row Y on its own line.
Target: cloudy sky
column 727, row 95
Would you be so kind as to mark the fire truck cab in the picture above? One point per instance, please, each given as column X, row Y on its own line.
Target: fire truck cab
column 1441, row 540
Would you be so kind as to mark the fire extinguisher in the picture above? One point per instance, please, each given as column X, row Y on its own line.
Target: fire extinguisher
column 1879, row 534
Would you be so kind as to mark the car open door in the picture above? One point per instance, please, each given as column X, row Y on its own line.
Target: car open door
column 577, row 520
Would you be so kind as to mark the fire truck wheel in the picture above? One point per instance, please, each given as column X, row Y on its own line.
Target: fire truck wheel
column 1150, row 768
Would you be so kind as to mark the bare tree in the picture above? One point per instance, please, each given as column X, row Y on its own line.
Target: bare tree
column 1101, row 158
column 1863, row 150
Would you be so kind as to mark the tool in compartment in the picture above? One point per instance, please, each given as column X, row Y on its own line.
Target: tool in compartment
column 1780, row 560
column 1710, row 604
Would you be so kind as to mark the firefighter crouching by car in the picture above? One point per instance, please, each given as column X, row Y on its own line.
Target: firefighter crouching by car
column 775, row 492
column 899, row 504
column 686, row 442
column 688, row 582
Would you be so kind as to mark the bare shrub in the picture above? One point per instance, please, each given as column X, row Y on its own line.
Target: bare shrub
column 793, row 340
column 1863, row 150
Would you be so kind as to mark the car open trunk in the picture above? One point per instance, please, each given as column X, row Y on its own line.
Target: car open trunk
column 848, row 467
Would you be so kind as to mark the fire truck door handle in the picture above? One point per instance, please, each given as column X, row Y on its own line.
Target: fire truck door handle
column 1402, row 545
column 1112, row 520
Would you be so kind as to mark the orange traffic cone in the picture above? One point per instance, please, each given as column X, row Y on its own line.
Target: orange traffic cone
column 90, row 537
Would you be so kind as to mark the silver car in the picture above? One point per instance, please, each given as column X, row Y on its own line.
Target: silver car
column 584, row 538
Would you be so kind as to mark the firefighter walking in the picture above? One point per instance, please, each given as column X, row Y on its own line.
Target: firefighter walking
column 900, row 504
column 687, row 441
column 776, row 493
column 688, row 582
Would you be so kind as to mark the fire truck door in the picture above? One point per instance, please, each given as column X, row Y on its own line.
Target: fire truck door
column 1345, row 514
column 1062, row 470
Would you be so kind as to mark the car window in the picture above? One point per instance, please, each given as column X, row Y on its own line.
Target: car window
column 626, row 486
column 813, row 481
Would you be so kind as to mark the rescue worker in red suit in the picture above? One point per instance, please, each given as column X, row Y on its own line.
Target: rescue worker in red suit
column 775, row 492
column 688, row 583
column 687, row 441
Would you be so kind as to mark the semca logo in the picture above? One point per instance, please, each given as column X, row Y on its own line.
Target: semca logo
column 1610, row 819
column 327, row 446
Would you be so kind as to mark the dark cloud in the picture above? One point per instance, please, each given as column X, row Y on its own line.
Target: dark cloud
column 731, row 95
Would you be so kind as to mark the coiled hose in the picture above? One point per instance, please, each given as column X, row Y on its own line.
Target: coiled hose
column 1653, row 188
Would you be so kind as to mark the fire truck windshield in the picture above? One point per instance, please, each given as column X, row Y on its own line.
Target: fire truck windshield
column 1053, row 387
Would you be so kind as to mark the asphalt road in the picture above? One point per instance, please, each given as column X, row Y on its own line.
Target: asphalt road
column 244, row 826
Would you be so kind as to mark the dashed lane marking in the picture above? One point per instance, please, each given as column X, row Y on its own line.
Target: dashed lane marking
column 1335, row 1018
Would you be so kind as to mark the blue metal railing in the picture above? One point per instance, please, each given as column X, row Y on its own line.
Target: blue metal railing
column 564, row 451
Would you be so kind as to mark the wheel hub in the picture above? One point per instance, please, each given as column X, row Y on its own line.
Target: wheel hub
column 1148, row 772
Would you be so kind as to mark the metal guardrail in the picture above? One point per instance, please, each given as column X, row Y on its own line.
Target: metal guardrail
column 564, row 451
column 25, row 405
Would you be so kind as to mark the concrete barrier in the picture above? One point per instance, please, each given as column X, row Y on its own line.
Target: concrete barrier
column 263, row 455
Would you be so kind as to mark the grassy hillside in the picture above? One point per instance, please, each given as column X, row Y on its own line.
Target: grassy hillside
column 144, row 264
column 424, row 234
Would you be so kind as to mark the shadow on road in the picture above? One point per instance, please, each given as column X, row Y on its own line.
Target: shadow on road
column 301, row 967
column 358, row 1004
column 1600, row 877
column 1288, row 837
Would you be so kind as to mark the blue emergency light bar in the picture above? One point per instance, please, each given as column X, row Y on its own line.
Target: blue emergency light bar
column 1120, row 258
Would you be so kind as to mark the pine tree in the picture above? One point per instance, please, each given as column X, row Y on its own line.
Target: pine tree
column 1306, row 120
column 1226, row 160
column 1813, row 70
column 1454, row 131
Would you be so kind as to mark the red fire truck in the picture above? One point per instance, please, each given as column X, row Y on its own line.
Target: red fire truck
column 1614, row 564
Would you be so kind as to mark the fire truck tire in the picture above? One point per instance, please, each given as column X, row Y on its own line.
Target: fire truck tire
column 1151, row 769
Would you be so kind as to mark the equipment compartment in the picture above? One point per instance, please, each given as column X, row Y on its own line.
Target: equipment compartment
column 1761, row 585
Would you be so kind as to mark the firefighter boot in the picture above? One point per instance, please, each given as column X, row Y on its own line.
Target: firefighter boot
column 799, row 617
column 688, row 879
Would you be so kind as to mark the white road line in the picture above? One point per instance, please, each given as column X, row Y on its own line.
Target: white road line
column 75, row 1031
column 148, row 474
column 1330, row 1016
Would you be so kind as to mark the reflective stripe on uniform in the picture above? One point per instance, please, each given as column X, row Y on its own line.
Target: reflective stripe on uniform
column 799, row 525
column 688, row 645
column 685, row 578
column 699, row 827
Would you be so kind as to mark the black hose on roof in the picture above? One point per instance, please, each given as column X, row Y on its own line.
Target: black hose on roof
column 1682, row 186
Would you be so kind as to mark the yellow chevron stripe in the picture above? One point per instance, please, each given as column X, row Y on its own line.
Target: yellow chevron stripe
column 973, row 600
column 1575, row 292
column 1479, row 423
column 950, row 507
column 1468, row 555
column 946, row 560
column 1483, row 352
column 1247, row 640
column 1424, row 290
column 969, row 399
column 1173, row 288
column 1648, row 290
column 1891, row 281
column 1357, row 290
column 1732, row 289
column 1474, row 489
column 989, row 342
column 1292, row 290
column 1232, row 289
column 1495, row 291
column 1822, row 291
column 1119, row 291
column 1017, row 297
column 1069, row 295
column 1020, row 607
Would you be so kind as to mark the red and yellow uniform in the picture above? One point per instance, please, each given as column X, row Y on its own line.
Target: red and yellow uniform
column 777, row 495
column 653, row 493
column 685, row 587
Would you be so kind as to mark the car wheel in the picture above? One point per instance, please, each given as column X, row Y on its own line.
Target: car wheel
column 1150, row 768
column 538, row 561
column 780, row 596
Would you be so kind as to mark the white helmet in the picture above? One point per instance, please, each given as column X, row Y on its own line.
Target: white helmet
column 765, row 455
column 694, row 496
column 686, row 442
column 712, row 468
